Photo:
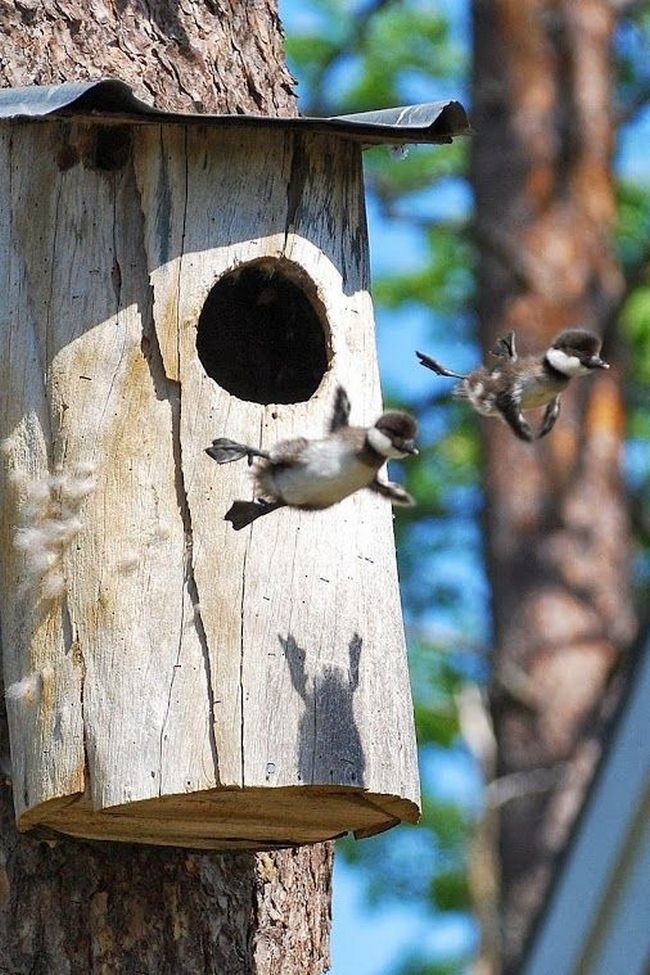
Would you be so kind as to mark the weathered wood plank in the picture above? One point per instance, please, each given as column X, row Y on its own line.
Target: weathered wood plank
column 226, row 224
column 145, row 668
column 41, row 676
column 110, row 410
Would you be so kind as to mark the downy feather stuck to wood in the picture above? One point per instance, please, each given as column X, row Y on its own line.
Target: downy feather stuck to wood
column 314, row 474
column 517, row 384
column 50, row 514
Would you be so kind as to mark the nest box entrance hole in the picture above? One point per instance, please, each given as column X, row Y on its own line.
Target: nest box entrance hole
column 263, row 334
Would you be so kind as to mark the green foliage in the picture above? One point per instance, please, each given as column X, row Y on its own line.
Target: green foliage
column 419, row 168
column 383, row 47
column 443, row 282
column 633, row 223
column 416, row 967
column 439, row 725
column 398, row 41
column 634, row 321
column 634, row 248
column 633, row 239
column 437, row 681
column 449, row 889
column 395, row 869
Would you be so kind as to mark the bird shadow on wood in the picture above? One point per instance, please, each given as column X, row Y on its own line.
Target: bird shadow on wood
column 329, row 744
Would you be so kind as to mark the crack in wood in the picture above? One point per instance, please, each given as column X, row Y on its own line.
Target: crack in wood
column 48, row 356
column 172, row 391
column 73, row 646
column 241, row 656
column 116, row 270
column 241, row 630
column 297, row 180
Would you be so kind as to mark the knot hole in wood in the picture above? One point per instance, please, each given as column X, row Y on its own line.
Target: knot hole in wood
column 106, row 148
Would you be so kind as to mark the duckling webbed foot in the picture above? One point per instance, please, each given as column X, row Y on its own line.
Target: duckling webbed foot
column 225, row 451
column 243, row 513
column 435, row 366
column 395, row 493
column 510, row 409
column 550, row 416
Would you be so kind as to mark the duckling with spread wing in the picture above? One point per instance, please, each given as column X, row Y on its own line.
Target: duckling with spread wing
column 315, row 474
column 517, row 384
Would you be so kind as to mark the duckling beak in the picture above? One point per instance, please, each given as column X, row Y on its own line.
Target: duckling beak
column 409, row 447
column 597, row 363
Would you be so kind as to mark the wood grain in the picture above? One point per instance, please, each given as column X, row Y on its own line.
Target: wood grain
column 211, row 681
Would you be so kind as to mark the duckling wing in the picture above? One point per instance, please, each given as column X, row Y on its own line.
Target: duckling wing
column 341, row 411
column 395, row 493
column 505, row 347
column 286, row 451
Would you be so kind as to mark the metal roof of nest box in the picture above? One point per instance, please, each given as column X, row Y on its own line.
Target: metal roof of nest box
column 433, row 122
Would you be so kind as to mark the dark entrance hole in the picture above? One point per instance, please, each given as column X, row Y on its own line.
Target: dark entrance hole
column 261, row 338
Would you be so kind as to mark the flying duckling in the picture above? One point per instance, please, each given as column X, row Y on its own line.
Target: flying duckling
column 315, row 474
column 516, row 384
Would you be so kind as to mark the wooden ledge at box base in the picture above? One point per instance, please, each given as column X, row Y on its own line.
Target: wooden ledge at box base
column 228, row 819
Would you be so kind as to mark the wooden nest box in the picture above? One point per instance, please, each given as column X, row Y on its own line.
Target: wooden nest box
column 168, row 279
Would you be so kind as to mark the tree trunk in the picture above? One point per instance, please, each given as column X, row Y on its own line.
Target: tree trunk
column 67, row 906
column 198, row 56
column 557, row 530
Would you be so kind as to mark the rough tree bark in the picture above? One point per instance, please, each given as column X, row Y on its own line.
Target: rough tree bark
column 557, row 531
column 77, row 907
column 198, row 56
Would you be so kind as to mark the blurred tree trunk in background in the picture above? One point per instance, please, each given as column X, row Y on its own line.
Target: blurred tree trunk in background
column 557, row 531
column 102, row 907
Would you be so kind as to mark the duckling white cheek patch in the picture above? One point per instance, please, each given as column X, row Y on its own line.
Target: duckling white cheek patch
column 569, row 365
column 381, row 443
